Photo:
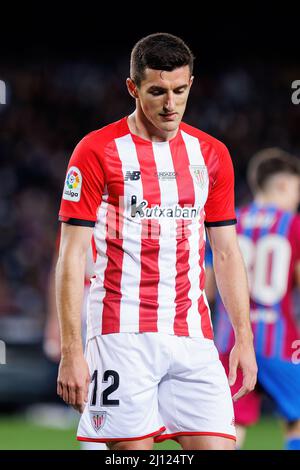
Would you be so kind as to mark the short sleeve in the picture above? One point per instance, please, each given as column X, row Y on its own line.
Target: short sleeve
column 83, row 188
column 219, row 207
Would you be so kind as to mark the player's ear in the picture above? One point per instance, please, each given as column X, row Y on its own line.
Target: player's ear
column 191, row 80
column 132, row 88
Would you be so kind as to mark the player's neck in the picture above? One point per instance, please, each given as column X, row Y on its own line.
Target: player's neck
column 139, row 125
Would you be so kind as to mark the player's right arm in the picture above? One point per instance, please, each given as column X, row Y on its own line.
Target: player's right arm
column 73, row 377
column 81, row 198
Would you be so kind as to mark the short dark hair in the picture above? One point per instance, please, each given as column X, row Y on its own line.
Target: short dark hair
column 269, row 162
column 159, row 51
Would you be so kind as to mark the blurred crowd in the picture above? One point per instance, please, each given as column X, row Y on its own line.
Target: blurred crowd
column 50, row 107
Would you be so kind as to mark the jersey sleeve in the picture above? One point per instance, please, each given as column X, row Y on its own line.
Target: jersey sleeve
column 219, row 207
column 83, row 188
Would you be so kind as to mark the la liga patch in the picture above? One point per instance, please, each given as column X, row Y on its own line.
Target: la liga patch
column 73, row 183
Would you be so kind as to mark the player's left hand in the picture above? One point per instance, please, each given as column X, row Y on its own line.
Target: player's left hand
column 242, row 356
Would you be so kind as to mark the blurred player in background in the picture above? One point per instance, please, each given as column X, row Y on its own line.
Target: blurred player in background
column 269, row 237
column 52, row 346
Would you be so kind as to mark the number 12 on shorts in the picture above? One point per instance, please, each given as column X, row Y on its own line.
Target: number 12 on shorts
column 115, row 382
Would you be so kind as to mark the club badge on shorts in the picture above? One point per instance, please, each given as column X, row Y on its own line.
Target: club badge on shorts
column 199, row 175
column 73, row 183
column 98, row 419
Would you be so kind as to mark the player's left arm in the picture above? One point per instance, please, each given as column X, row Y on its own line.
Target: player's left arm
column 231, row 279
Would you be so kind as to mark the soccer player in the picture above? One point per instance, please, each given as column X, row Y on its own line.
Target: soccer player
column 145, row 186
column 269, row 237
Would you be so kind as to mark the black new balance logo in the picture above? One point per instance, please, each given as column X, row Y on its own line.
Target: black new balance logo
column 132, row 175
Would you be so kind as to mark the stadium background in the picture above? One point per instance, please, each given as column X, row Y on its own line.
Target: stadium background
column 65, row 76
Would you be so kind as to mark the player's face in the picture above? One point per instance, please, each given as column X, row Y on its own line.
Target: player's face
column 163, row 96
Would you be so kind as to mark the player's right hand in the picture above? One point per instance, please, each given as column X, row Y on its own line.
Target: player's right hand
column 73, row 380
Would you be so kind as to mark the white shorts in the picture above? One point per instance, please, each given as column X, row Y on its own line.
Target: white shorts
column 155, row 384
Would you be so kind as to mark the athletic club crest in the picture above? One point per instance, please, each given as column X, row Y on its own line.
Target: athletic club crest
column 98, row 419
column 199, row 175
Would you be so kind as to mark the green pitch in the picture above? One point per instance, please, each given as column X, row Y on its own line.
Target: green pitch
column 18, row 434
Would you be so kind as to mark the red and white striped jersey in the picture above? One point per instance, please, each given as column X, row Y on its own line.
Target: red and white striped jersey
column 149, row 202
